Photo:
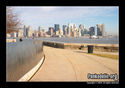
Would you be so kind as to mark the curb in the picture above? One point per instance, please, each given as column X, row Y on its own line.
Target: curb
column 32, row 72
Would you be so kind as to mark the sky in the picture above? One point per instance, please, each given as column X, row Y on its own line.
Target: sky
column 47, row 16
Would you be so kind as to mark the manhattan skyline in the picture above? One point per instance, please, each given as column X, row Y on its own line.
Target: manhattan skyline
column 47, row 16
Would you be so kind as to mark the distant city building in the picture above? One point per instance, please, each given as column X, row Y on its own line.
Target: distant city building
column 57, row 33
column 29, row 31
column 56, row 27
column 14, row 34
column 74, row 33
column 25, row 32
column 69, row 30
column 64, row 27
column 66, row 31
column 86, row 31
column 75, row 28
column 79, row 32
column 95, row 30
column 92, row 31
column 103, row 30
column 82, row 26
column 39, row 29
column 100, row 29
column 61, row 32
column 40, row 32
column 20, row 33
column 36, row 33
column 70, row 27
column 51, row 31
column 8, row 35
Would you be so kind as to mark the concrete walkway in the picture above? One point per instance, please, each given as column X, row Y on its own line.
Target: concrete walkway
column 73, row 65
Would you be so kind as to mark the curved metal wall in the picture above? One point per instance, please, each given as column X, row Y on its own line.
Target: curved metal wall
column 22, row 57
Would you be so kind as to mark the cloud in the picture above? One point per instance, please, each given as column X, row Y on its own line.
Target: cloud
column 44, row 15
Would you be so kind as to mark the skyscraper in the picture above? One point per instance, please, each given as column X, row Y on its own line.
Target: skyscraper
column 81, row 26
column 92, row 31
column 20, row 33
column 30, row 31
column 100, row 29
column 103, row 30
column 25, row 30
column 64, row 27
column 70, row 27
column 40, row 29
column 79, row 32
column 75, row 28
column 40, row 32
column 51, row 30
column 95, row 30
column 56, row 27
column 66, row 31
column 61, row 32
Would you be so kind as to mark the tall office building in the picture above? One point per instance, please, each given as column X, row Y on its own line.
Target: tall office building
column 74, row 33
column 100, row 29
column 20, row 33
column 66, row 31
column 79, row 32
column 30, row 31
column 86, row 31
column 81, row 26
column 64, row 27
column 70, row 27
column 95, row 30
column 25, row 30
column 51, row 31
column 40, row 32
column 57, row 33
column 103, row 30
column 92, row 31
column 26, row 33
column 14, row 34
column 36, row 33
column 39, row 29
column 75, row 28
column 61, row 32
column 56, row 27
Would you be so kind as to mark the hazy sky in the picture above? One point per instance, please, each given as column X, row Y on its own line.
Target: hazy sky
column 47, row 16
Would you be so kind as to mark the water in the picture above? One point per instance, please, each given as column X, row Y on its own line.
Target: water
column 83, row 40
column 113, row 40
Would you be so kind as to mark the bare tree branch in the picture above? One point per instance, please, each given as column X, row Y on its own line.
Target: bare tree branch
column 12, row 21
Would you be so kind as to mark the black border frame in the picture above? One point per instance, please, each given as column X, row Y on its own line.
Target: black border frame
column 3, row 82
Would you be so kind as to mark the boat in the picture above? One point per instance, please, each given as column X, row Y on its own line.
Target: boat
column 94, row 37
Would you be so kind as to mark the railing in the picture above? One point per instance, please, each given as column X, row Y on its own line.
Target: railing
column 21, row 57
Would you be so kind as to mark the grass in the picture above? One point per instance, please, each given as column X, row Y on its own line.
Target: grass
column 116, row 57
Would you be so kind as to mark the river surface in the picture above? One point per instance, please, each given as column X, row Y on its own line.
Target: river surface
column 84, row 40
column 77, row 40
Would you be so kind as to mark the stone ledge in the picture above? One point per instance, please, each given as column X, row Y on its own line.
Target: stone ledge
column 10, row 40
column 107, row 47
column 29, row 74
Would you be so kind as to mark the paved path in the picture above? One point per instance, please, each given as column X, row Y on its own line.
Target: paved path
column 73, row 65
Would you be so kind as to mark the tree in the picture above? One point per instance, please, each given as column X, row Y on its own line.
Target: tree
column 12, row 21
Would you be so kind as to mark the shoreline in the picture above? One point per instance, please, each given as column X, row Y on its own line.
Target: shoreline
column 100, row 47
